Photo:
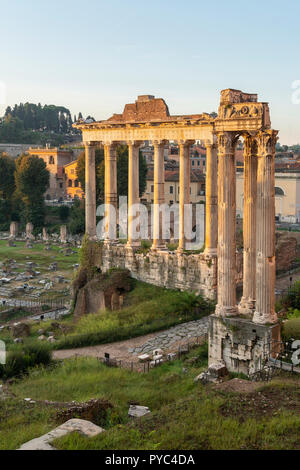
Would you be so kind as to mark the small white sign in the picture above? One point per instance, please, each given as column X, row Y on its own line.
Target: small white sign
column 2, row 352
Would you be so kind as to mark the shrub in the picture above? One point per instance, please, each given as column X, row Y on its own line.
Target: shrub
column 20, row 360
column 291, row 329
column 292, row 298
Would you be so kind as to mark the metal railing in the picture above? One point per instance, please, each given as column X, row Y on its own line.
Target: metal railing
column 145, row 367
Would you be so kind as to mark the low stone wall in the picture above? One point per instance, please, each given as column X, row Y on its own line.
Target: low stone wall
column 194, row 272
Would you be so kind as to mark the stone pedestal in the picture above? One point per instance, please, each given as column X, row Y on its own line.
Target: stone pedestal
column 240, row 344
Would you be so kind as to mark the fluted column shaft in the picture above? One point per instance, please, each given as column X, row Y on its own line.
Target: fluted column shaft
column 110, row 157
column 184, row 191
column 247, row 304
column 211, row 196
column 90, row 190
column 159, row 194
column 265, row 241
column 133, row 187
column 226, row 226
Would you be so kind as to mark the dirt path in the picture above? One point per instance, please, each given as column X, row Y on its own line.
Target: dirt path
column 168, row 340
column 118, row 350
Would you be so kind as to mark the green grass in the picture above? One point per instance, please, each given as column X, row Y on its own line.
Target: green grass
column 185, row 414
column 37, row 255
column 82, row 379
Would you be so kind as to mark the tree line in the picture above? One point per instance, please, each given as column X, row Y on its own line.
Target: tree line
column 34, row 123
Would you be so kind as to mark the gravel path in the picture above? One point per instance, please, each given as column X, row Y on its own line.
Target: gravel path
column 168, row 340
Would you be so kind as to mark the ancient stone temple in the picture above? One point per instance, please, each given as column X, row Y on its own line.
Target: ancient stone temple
column 238, row 333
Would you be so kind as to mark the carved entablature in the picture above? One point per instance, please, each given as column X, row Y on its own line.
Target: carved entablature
column 149, row 119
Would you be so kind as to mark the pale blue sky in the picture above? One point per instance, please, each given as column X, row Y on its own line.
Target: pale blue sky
column 94, row 56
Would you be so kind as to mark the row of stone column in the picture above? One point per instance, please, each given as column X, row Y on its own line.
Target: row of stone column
column 258, row 230
column 159, row 194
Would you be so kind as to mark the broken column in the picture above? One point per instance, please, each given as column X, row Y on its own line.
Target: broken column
column 29, row 230
column 14, row 229
column 63, row 234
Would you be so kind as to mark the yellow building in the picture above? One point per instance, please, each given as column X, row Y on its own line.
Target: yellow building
column 55, row 160
column 287, row 192
column 73, row 186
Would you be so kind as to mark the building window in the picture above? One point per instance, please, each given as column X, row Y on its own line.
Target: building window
column 279, row 191
column 76, row 183
column 70, row 183
column 171, row 189
column 60, row 185
column 51, row 160
column 193, row 162
column 152, row 188
column 171, row 202
column 72, row 171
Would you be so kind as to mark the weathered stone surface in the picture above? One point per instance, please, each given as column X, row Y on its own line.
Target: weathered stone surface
column 84, row 427
column 146, row 108
column 239, row 343
column 286, row 252
column 20, row 330
column 136, row 411
column 197, row 272
column 101, row 292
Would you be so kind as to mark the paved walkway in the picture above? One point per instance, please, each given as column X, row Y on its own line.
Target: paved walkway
column 128, row 350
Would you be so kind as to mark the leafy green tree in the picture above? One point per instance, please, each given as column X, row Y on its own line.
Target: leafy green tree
column 64, row 212
column 32, row 180
column 7, row 180
column 77, row 218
